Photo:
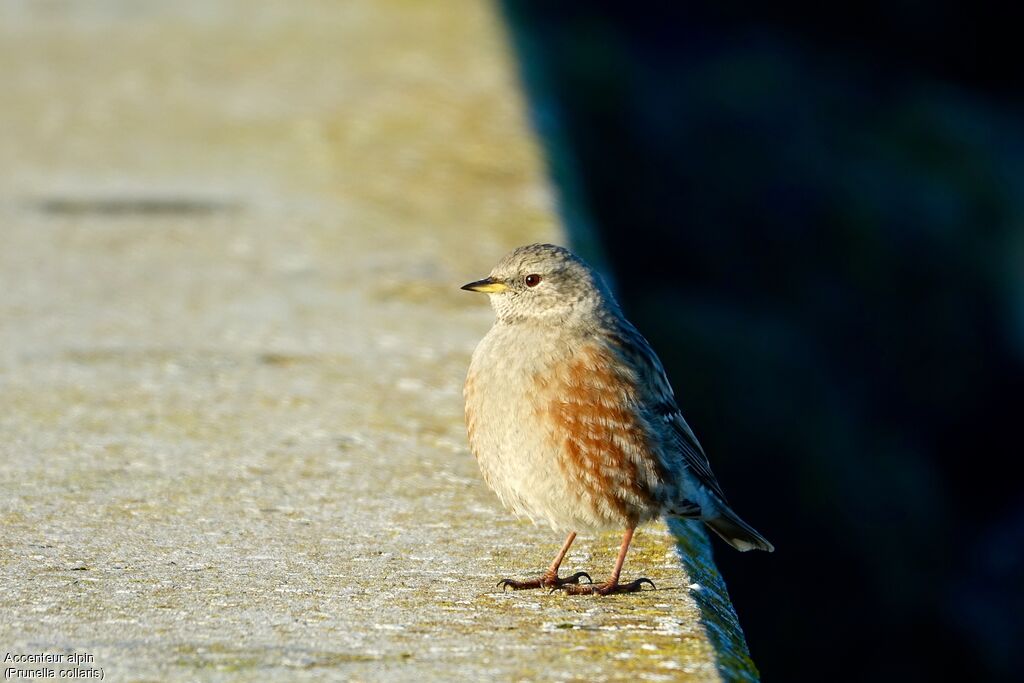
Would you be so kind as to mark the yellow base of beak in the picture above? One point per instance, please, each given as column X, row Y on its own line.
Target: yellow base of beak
column 487, row 286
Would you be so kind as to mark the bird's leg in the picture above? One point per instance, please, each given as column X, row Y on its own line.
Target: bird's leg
column 550, row 578
column 612, row 585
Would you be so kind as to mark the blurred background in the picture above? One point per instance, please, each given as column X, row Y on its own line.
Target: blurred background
column 816, row 215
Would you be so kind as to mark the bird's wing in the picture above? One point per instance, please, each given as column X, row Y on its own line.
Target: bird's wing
column 655, row 391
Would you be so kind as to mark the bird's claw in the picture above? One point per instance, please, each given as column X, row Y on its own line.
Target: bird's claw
column 570, row 580
column 607, row 588
column 546, row 581
column 505, row 584
column 641, row 581
column 575, row 578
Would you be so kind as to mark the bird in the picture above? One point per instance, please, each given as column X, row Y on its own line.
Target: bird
column 572, row 420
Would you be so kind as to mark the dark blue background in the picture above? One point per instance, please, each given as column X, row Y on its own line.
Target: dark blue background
column 816, row 216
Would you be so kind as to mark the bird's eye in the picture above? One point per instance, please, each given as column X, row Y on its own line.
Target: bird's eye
column 532, row 280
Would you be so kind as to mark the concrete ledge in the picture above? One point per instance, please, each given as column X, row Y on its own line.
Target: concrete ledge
column 232, row 348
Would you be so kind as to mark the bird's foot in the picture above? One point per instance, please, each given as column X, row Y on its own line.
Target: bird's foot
column 608, row 587
column 548, row 580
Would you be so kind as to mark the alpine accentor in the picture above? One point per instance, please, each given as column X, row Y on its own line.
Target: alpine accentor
column 572, row 420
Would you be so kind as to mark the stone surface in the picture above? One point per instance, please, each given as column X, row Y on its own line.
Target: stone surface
column 232, row 346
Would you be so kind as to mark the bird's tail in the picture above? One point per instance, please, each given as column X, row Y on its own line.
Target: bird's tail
column 736, row 532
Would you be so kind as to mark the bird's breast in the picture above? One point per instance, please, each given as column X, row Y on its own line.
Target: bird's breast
column 553, row 424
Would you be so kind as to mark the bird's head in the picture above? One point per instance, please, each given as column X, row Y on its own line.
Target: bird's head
column 543, row 282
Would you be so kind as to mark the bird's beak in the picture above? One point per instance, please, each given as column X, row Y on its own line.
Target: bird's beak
column 488, row 285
